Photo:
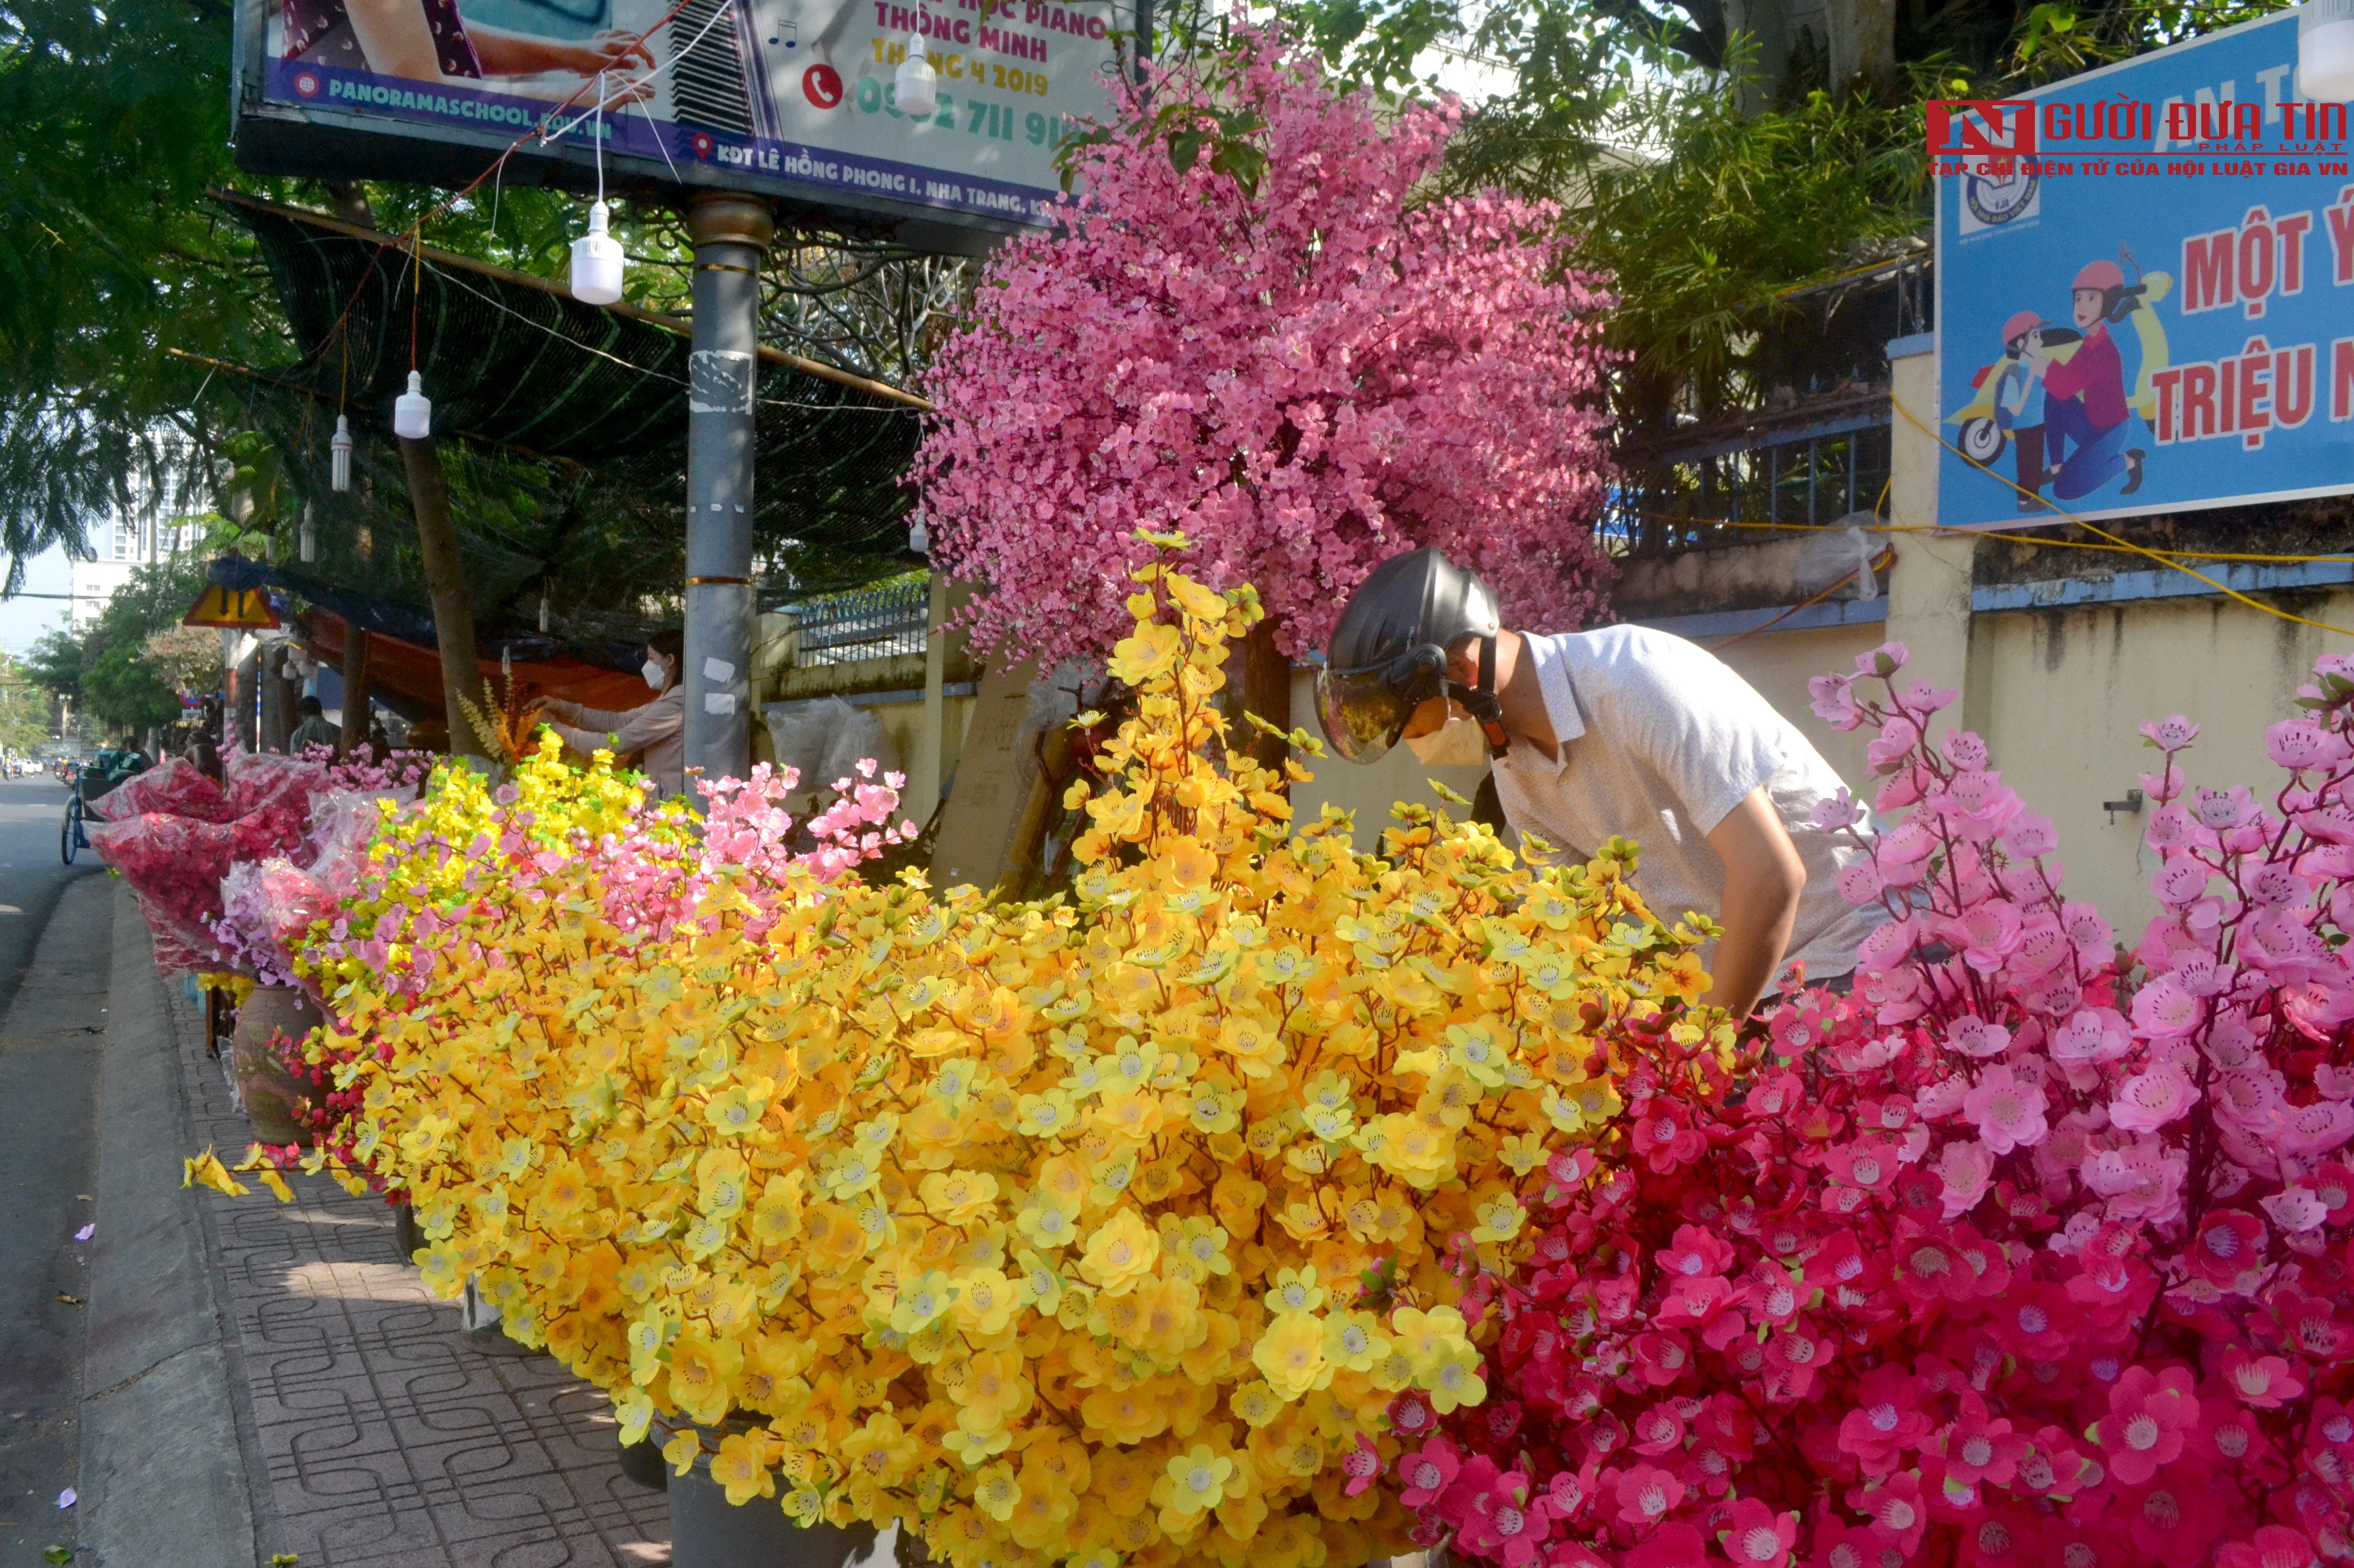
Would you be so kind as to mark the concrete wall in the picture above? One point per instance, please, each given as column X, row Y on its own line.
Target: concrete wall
column 881, row 687
column 2067, row 688
column 2058, row 695
column 1780, row 664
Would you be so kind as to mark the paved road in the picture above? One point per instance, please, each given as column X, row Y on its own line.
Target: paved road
column 53, row 998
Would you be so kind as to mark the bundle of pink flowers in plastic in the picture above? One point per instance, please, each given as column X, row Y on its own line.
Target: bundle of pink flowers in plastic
column 2029, row 1252
column 174, row 834
column 267, row 907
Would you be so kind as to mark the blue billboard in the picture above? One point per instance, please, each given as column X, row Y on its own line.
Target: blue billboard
column 2145, row 290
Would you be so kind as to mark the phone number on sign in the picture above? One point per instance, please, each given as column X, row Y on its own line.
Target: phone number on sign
column 996, row 121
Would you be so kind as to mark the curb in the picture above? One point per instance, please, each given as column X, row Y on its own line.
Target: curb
column 164, row 1474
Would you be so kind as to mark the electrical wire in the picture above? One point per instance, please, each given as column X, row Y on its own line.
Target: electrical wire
column 1880, row 563
column 717, row 12
column 2046, row 541
column 451, row 276
column 2143, row 550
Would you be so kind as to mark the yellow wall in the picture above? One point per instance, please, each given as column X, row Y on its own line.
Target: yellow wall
column 1780, row 664
column 2059, row 696
column 2067, row 691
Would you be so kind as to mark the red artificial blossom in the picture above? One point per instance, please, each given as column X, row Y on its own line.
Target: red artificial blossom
column 1256, row 328
column 2028, row 1252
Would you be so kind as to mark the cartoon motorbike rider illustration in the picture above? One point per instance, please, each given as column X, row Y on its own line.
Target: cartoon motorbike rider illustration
column 2085, row 413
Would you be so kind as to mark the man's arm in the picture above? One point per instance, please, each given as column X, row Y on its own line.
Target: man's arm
column 1763, row 879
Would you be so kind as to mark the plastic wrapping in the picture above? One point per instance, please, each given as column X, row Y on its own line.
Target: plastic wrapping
column 175, row 864
column 175, row 860
column 267, row 908
column 857, row 737
column 1844, row 550
column 174, row 786
column 341, row 820
column 267, row 780
column 798, row 732
column 823, row 741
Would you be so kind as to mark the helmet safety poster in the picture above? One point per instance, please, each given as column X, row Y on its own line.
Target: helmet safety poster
column 2144, row 289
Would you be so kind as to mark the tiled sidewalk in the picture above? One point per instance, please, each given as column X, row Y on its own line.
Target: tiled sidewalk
column 392, row 1438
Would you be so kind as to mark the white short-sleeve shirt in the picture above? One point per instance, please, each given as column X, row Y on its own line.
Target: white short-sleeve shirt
column 1658, row 741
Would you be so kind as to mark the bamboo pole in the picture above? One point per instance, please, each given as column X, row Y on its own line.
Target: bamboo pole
column 445, row 585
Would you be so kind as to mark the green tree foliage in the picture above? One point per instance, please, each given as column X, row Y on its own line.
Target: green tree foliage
column 54, row 664
column 125, row 670
column 24, row 706
column 113, row 126
column 1707, row 217
column 1709, row 196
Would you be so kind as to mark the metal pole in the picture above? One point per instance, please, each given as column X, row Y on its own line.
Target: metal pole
column 731, row 235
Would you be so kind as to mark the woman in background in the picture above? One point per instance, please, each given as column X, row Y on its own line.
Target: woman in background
column 658, row 729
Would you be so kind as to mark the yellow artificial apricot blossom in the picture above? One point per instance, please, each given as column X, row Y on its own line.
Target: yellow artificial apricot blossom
column 1291, row 1355
column 1193, row 1482
column 959, row 1197
column 1147, row 653
column 986, row 1303
column 206, row 1170
column 742, row 1468
column 1354, row 1342
column 1121, row 1253
column 996, row 1492
column 1453, row 1379
column 981, row 1215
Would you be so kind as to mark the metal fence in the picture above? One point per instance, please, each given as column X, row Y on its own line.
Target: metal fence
column 870, row 623
column 1815, row 449
column 1812, row 473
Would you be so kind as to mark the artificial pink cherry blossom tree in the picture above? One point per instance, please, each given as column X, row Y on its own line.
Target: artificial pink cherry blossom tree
column 1257, row 327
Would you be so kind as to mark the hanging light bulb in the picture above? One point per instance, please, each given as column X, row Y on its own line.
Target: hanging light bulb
column 916, row 88
column 919, row 537
column 412, row 411
column 2325, row 51
column 596, row 261
column 310, row 535
column 339, row 455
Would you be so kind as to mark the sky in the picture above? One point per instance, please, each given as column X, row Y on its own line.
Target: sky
column 22, row 621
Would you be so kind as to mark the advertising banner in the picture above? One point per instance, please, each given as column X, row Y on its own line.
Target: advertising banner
column 790, row 97
column 2144, row 289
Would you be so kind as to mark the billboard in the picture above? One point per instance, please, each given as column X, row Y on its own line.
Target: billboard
column 2144, row 289
column 792, row 99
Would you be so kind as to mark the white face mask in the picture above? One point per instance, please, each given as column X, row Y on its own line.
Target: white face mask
column 1458, row 743
column 654, row 674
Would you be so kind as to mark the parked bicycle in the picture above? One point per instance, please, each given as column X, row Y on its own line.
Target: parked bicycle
column 87, row 783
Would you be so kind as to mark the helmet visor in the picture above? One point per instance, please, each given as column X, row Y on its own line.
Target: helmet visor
column 1362, row 713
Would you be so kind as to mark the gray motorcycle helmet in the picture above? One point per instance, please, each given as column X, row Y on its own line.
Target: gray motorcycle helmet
column 1388, row 654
